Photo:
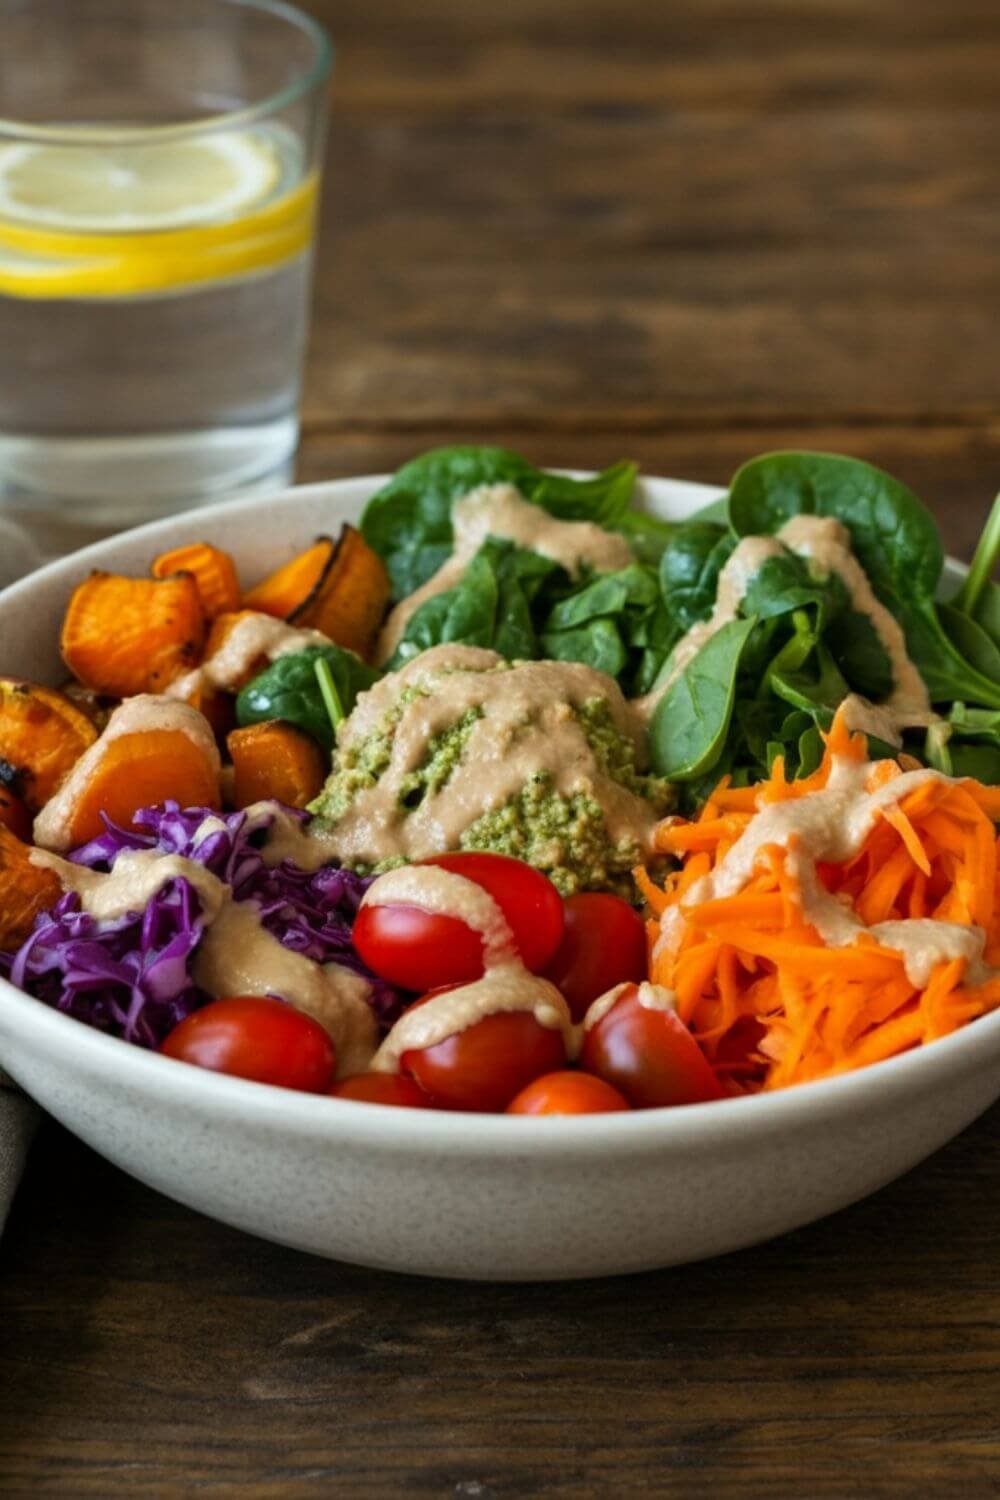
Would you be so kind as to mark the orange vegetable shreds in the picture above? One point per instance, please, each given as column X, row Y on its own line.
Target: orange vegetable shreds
column 286, row 592
column 25, row 890
column 771, row 934
column 352, row 595
column 42, row 736
column 152, row 749
column 13, row 814
column 123, row 636
column 212, row 570
column 275, row 760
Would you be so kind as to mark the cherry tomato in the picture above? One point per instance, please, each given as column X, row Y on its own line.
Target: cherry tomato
column 255, row 1036
column 422, row 950
column 382, row 1088
column 484, row 1066
column 567, row 1093
column 649, row 1055
column 604, row 944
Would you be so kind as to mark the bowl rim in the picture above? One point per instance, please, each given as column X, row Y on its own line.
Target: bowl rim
column 375, row 1125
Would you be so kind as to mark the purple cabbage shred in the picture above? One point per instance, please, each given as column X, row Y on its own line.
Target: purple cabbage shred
column 132, row 976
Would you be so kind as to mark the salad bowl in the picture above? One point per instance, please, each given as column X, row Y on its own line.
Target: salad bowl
column 476, row 1196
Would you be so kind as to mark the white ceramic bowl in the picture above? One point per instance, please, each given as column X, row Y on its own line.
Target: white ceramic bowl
column 490, row 1197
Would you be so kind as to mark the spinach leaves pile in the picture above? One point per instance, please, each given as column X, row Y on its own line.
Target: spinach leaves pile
column 769, row 681
column 514, row 601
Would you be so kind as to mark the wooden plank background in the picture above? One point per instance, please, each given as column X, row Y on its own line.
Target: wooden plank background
column 683, row 231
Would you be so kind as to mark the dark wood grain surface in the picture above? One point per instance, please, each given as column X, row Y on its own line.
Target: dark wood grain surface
column 682, row 232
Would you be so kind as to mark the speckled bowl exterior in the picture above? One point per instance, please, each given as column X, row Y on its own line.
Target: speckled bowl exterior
column 487, row 1197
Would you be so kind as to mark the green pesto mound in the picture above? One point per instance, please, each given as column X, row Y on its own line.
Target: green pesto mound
column 565, row 835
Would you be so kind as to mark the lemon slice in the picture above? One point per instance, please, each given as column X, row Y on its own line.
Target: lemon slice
column 137, row 188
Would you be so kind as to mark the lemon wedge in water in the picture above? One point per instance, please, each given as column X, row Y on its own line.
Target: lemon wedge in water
column 103, row 220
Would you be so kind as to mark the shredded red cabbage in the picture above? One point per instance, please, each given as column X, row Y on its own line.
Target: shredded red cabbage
column 133, row 976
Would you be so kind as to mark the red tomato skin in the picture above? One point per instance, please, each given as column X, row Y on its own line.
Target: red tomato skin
column 382, row 1088
column 567, row 1093
column 415, row 949
column 528, row 899
column 649, row 1056
column 604, row 944
column 256, row 1037
column 422, row 950
column 484, row 1066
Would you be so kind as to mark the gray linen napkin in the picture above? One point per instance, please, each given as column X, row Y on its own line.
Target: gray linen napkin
column 19, row 1118
column 18, row 1115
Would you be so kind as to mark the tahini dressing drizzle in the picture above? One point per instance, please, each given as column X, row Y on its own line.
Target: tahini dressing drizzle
column 254, row 638
column 826, row 542
column 831, row 825
column 142, row 714
column 500, row 510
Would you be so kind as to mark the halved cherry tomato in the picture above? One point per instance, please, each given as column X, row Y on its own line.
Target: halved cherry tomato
column 484, row 1066
column 567, row 1093
column 423, row 950
column 257, row 1037
column 604, row 944
column 382, row 1088
column 648, row 1055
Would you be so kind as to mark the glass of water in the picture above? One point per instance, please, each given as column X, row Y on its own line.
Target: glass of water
column 159, row 171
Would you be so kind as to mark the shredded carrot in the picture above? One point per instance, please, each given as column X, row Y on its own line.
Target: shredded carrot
column 769, row 998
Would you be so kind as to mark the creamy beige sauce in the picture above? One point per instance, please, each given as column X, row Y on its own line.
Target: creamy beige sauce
column 237, row 956
column 507, row 987
column 526, row 726
column 139, row 715
column 831, row 825
column 735, row 577
column 255, row 637
column 826, row 542
column 138, row 875
column 500, row 510
column 449, row 895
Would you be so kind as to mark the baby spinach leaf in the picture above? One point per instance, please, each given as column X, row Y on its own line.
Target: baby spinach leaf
column 647, row 535
column 408, row 522
column 969, row 637
column 987, row 611
column 892, row 533
column 597, row 644
column 982, row 762
column 607, row 594
column 689, row 727
column 689, row 570
column 491, row 605
column 784, row 584
column 289, row 689
column 860, row 655
column 825, row 687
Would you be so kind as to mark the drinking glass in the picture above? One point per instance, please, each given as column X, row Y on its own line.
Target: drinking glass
column 159, row 172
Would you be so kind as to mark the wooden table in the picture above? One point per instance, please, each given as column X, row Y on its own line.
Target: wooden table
column 682, row 232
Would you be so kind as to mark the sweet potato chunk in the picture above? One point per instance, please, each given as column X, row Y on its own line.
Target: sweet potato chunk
column 212, row 570
column 289, row 588
column 13, row 814
column 275, row 760
column 351, row 597
column 42, row 736
column 25, row 890
column 139, row 770
column 123, row 636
